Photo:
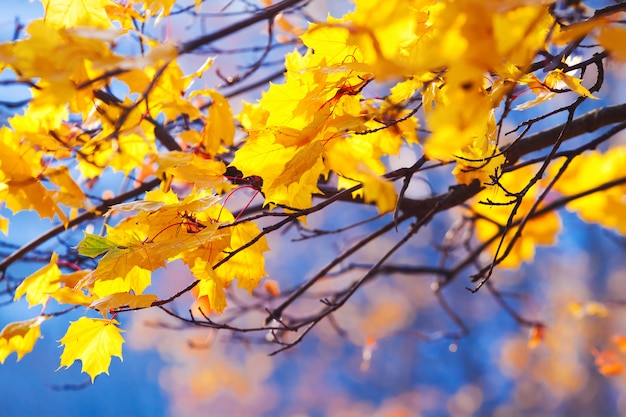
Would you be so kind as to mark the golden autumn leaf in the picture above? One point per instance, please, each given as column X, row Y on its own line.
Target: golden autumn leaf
column 189, row 167
column 4, row 225
column 40, row 284
column 454, row 122
column 219, row 129
column 591, row 170
column 137, row 280
column 248, row 265
column 278, row 165
column 297, row 180
column 19, row 337
column 576, row 31
column 121, row 299
column 614, row 40
column 20, row 167
column 481, row 160
column 72, row 13
column 93, row 342
column 69, row 295
column 557, row 78
column 210, row 291
column 69, row 192
column 379, row 191
column 158, row 8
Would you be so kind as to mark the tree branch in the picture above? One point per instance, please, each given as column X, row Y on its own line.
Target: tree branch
column 266, row 14
column 587, row 123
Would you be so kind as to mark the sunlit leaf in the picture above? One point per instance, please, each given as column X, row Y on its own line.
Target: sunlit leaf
column 19, row 337
column 558, row 77
column 113, row 301
column 614, row 40
column 38, row 286
column 70, row 13
column 93, row 342
column 608, row 363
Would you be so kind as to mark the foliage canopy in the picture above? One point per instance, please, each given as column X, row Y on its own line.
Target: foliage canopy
column 110, row 93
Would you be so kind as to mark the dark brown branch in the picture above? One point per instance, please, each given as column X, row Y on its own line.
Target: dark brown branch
column 587, row 123
column 336, row 261
column 266, row 14
column 160, row 132
column 266, row 230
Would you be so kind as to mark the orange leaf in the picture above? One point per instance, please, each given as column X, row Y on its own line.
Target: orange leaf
column 620, row 341
column 536, row 336
column 271, row 287
column 608, row 363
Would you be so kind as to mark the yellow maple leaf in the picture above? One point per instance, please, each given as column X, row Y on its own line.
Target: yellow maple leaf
column 280, row 167
column 94, row 342
column 209, row 292
column 578, row 31
column 71, row 13
column 4, row 223
column 159, row 8
column 20, row 168
column 379, row 191
column 592, row 170
column 356, row 159
column 557, row 78
column 136, row 280
column 614, row 40
column 376, row 36
column 189, row 167
column 164, row 229
column 19, row 337
column 521, row 31
column 480, row 160
column 68, row 193
column 69, row 295
column 120, row 299
column 297, row 181
column 248, row 266
column 40, row 284
column 462, row 113
column 253, row 116
column 128, row 252
column 542, row 93
column 219, row 129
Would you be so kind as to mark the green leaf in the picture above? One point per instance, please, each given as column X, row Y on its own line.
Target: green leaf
column 94, row 245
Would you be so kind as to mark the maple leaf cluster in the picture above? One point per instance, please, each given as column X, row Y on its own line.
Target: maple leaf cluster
column 460, row 66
